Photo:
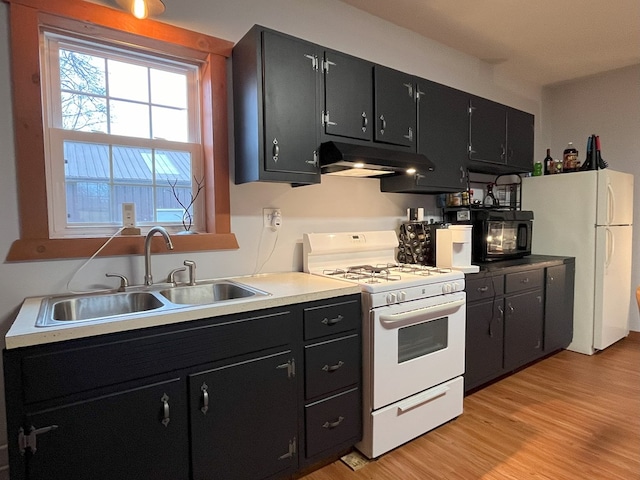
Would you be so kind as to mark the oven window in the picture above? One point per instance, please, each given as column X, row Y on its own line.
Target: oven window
column 422, row 339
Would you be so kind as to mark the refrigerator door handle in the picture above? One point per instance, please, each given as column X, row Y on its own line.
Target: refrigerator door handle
column 611, row 211
column 611, row 245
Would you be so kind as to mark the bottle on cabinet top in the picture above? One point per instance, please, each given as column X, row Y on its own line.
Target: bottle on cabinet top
column 549, row 166
column 570, row 162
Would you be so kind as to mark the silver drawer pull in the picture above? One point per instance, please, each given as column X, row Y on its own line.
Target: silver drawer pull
column 483, row 289
column 525, row 280
column 333, row 368
column 165, row 410
column 330, row 425
column 332, row 321
column 205, row 398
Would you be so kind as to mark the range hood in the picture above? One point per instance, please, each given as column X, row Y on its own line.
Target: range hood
column 338, row 158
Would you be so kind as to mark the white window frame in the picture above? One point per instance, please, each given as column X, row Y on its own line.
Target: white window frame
column 55, row 136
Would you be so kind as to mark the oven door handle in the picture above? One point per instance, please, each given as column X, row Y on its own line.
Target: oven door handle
column 415, row 316
column 422, row 399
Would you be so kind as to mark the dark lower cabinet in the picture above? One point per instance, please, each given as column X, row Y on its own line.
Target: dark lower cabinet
column 485, row 342
column 523, row 321
column 517, row 312
column 243, row 419
column 218, row 398
column 133, row 434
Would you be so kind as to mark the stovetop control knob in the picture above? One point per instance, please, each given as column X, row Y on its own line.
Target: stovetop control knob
column 392, row 298
column 446, row 288
column 402, row 296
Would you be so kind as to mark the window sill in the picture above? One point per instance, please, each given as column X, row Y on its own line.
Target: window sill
column 51, row 249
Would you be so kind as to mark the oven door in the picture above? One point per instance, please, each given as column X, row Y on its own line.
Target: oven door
column 416, row 345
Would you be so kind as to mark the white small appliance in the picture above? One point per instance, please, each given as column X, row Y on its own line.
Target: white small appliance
column 413, row 334
column 453, row 248
column 588, row 215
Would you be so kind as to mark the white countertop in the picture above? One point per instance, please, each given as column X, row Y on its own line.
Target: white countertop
column 284, row 289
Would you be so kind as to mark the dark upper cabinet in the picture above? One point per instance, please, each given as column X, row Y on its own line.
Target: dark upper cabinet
column 348, row 96
column 500, row 138
column 520, row 134
column 275, row 81
column 395, row 107
column 487, row 131
column 443, row 130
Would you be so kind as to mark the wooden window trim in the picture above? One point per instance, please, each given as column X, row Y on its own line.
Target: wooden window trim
column 84, row 18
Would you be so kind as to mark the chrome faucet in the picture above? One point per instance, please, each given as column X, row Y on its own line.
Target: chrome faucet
column 148, row 279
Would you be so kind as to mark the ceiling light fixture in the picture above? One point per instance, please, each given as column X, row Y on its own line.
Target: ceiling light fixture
column 142, row 8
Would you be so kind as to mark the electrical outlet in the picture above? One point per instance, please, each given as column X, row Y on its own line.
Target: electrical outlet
column 272, row 218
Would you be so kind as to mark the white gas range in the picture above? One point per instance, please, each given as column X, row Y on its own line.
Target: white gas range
column 413, row 334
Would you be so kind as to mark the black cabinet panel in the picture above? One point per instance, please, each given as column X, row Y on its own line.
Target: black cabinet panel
column 484, row 288
column 558, row 323
column 333, row 421
column 348, row 96
column 523, row 328
column 485, row 342
column 395, row 107
column 332, row 365
column 250, row 423
column 518, row 282
column 290, row 116
column 520, row 139
column 120, row 436
column 487, row 131
column 276, row 80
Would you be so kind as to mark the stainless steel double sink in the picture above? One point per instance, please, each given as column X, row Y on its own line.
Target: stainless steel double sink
column 60, row 310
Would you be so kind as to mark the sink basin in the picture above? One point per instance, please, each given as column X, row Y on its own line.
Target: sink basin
column 202, row 294
column 98, row 306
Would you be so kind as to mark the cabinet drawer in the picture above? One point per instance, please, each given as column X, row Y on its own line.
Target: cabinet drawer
column 329, row 319
column 333, row 421
column 517, row 282
column 331, row 365
column 487, row 287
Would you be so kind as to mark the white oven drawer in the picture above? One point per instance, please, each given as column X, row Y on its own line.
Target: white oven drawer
column 391, row 426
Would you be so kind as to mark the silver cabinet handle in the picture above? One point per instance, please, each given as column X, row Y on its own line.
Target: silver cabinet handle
column 511, row 309
column 330, row 425
column 483, row 289
column 165, row 410
column 333, row 368
column 525, row 280
column 383, row 124
column 365, row 121
column 276, row 150
column 332, row 321
column 205, row 399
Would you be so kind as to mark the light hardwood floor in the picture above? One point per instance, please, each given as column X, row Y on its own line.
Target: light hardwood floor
column 570, row 416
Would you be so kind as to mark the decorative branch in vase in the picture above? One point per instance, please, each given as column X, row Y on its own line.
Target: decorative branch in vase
column 187, row 216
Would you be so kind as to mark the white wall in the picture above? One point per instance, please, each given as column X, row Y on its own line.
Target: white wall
column 607, row 105
column 337, row 204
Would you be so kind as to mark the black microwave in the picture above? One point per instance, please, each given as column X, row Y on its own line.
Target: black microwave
column 500, row 234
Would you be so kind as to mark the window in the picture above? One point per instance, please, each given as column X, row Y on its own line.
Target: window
column 121, row 126
column 58, row 199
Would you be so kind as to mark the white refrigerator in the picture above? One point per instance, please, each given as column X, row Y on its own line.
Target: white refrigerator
column 588, row 215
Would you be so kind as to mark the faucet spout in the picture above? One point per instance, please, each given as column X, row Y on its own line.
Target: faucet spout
column 148, row 279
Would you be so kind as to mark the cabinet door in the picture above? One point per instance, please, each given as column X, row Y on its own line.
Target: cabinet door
column 487, row 131
column 395, row 107
column 443, row 134
column 139, row 433
column 290, row 107
column 522, row 328
column 558, row 316
column 520, row 133
column 484, row 343
column 244, row 419
column 348, row 96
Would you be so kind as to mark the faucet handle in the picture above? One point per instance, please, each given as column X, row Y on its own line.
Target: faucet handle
column 171, row 278
column 191, row 265
column 124, row 281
